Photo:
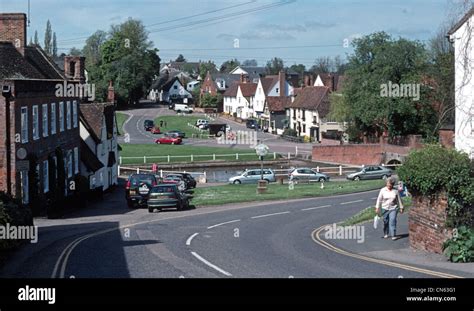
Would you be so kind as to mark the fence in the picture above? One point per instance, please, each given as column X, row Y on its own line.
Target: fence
column 201, row 177
column 330, row 170
column 187, row 158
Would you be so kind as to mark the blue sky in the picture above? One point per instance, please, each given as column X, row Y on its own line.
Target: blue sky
column 272, row 24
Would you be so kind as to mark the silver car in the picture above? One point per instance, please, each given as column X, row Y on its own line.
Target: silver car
column 253, row 176
column 307, row 174
column 371, row 172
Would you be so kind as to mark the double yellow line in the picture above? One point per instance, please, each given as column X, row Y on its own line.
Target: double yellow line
column 317, row 239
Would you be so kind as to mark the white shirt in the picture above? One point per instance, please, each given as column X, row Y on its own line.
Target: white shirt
column 388, row 199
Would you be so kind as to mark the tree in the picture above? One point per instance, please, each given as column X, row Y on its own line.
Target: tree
column 274, row 66
column 36, row 38
column 377, row 61
column 205, row 67
column 209, row 101
column 92, row 49
column 180, row 59
column 75, row 52
column 48, row 38
column 250, row 63
column 322, row 65
column 55, row 45
column 229, row 65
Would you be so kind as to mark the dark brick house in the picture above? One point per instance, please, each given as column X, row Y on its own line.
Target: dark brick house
column 40, row 141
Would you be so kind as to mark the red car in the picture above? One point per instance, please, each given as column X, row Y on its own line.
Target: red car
column 156, row 130
column 169, row 140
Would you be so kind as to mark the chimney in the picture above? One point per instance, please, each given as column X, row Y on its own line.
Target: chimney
column 74, row 68
column 242, row 78
column 13, row 29
column 282, row 80
column 311, row 83
column 307, row 81
column 111, row 93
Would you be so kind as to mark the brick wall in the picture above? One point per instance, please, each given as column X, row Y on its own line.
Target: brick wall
column 446, row 138
column 13, row 29
column 363, row 154
column 426, row 223
column 209, row 86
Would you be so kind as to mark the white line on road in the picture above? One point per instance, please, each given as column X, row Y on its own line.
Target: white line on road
column 374, row 198
column 189, row 240
column 351, row 202
column 268, row 215
column 210, row 264
column 224, row 223
column 313, row 208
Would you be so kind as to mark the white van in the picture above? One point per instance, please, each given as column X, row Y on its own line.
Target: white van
column 183, row 108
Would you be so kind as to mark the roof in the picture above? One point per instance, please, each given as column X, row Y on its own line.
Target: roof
column 268, row 82
column 313, row 98
column 277, row 103
column 45, row 65
column 232, row 90
column 332, row 80
column 462, row 21
column 89, row 159
column 94, row 114
column 14, row 66
column 248, row 89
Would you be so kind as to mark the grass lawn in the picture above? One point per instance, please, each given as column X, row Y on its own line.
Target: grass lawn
column 121, row 118
column 368, row 214
column 201, row 153
column 248, row 193
column 179, row 123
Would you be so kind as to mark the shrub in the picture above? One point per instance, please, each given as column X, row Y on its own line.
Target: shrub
column 16, row 215
column 460, row 248
column 290, row 132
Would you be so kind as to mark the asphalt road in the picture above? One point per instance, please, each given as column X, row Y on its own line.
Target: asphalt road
column 270, row 240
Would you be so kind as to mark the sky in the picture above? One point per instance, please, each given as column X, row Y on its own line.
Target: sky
column 297, row 31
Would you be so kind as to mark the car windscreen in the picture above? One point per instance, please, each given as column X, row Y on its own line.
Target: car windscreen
column 147, row 179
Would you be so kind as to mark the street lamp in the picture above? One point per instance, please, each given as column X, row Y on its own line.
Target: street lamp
column 262, row 151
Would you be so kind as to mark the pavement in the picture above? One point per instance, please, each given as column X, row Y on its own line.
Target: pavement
column 399, row 251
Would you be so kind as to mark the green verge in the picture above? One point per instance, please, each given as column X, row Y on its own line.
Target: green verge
column 204, row 153
column 180, row 123
column 368, row 214
column 248, row 193
column 121, row 118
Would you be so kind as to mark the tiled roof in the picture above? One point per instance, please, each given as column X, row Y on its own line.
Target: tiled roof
column 232, row 90
column 38, row 58
column 277, row 103
column 313, row 98
column 14, row 66
column 248, row 89
column 462, row 21
column 268, row 82
column 94, row 114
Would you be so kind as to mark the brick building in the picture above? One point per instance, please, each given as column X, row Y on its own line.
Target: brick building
column 39, row 141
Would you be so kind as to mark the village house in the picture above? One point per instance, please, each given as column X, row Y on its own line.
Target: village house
column 168, row 89
column 239, row 99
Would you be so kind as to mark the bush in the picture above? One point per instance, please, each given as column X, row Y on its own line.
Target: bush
column 460, row 248
column 290, row 132
column 16, row 215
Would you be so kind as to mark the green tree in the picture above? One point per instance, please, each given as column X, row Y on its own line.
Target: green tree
column 55, row 45
column 36, row 38
column 250, row 63
column 92, row 49
column 206, row 67
column 48, row 39
column 274, row 66
column 180, row 59
column 229, row 65
column 75, row 52
column 209, row 101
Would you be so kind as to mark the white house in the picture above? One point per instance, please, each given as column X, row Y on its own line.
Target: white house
column 239, row 99
column 99, row 146
column 164, row 90
column 462, row 37
column 193, row 85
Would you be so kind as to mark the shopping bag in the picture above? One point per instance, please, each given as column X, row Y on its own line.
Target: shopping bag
column 377, row 219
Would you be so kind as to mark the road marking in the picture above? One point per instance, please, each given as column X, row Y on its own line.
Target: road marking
column 313, row 208
column 268, row 215
column 374, row 198
column 210, row 264
column 351, row 202
column 130, row 116
column 189, row 240
column 317, row 239
column 224, row 223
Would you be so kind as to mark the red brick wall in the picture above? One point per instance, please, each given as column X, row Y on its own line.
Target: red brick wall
column 13, row 28
column 446, row 138
column 209, row 86
column 364, row 154
column 426, row 223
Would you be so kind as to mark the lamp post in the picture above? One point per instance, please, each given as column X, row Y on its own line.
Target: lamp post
column 262, row 150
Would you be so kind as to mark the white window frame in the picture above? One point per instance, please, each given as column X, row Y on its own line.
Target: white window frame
column 45, row 176
column 74, row 114
column 69, row 164
column 24, row 125
column 61, row 116
column 68, row 115
column 53, row 119
column 44, row 112
column 35, row 116
column 76, row 160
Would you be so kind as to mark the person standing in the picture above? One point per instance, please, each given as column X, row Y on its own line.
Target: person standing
column 389, row 203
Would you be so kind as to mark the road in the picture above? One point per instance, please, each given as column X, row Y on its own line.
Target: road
column 271, row 240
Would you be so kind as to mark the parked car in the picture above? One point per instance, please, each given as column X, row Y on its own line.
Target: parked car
column 307, row 174
column 175, row 180
column 371, row 172
column 253, row 176
column 183, row 108
column 169, row 140
column 188, row 179
column 252, row 124
column 149, row 125
column 156, row 130
column 167, row 196
column 172, row 133
column 201, row 122
column 138, row 187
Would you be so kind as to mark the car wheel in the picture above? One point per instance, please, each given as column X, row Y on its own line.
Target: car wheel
column 151, row 210
column 237, row 182
column 268, row 181
column 357, row 178
column 158, row 142
column 322, row 179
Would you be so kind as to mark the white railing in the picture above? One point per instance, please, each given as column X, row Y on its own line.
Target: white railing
column 201, row 177
column 332, row 170
column 192, row 158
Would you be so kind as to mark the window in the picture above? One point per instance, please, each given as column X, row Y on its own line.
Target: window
column 76, row 160
column 53, row 118
column 35, row 123
column 277, row 90
column 69, row 164
column 74, row 114
column 68, row 115
column 24, row 125
column 175, row 87
column 44, row 110
column 61, row 116
column 45, row 176
column 315, row 119
column 24, row 187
